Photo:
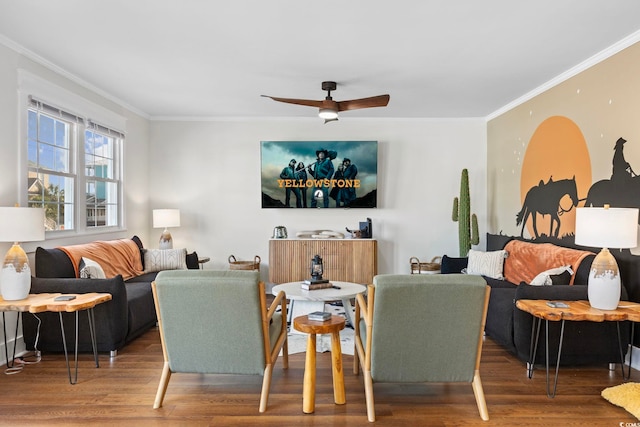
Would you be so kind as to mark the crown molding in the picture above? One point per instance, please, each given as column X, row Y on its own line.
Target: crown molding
column 588, row 63
column 584, row 65
column 66, row 74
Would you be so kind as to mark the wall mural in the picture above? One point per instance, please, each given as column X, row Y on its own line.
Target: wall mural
column 545, row 199
column 582, row 131
column 622, row 189
column 556, row 178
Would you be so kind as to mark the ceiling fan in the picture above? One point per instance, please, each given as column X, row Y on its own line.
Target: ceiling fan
column 328, row 108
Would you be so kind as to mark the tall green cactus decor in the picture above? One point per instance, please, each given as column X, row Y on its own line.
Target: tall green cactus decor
column 467, row 223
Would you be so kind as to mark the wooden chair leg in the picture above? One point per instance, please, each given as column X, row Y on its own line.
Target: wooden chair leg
column 285, row 352
column 368, row 394
column 162, row 387
column 266, row 386
column 479, row 394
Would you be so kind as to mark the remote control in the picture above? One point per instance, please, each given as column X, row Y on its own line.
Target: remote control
column 557, row 304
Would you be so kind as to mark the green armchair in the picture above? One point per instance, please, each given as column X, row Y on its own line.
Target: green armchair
column 217, row 322
column 421, row 328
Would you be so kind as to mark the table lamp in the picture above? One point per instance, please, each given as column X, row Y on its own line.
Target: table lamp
column 18, row 225
column 165, row 218
column 606, row 227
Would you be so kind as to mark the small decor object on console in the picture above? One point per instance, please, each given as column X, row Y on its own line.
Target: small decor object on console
column 280, row 232
column 164, row 218
column 607, row 228
column 366, row 229
column 320, row 316
column 18, row 225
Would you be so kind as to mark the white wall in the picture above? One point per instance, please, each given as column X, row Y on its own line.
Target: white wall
column 211, row 171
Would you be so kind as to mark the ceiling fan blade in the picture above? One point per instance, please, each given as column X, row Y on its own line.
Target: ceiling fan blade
column 330, row 120
column 354, row 104
column 308, row 102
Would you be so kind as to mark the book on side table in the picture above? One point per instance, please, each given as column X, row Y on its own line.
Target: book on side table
column 319, row 316
column 313, row 286
column 315, row 281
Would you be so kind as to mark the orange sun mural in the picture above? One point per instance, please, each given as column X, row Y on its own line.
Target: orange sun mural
column 556, row 176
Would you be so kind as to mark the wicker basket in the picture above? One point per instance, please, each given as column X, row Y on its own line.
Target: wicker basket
column 418, row 267
column 244, row 265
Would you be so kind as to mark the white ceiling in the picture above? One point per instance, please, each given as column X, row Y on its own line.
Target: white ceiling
column 211, row 58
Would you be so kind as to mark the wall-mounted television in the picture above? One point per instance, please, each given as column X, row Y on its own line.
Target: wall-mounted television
column 319, row 174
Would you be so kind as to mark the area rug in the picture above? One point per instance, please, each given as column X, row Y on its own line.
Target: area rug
column 626, row 396
column 298, row 341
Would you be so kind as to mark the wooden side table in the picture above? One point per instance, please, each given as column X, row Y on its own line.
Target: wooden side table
column 37, row 303
column 332, row 326
column 576, row 311
column 315, row 300
column 202, row 261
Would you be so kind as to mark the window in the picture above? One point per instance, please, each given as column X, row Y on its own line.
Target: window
column 51, row 178
column 101, row 175
column 70, row 160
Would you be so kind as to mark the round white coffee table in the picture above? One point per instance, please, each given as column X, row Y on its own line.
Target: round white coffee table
column 342, row 291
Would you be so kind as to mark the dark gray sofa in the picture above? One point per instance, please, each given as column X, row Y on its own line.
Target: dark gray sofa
column 585, row 343
column 130, row 312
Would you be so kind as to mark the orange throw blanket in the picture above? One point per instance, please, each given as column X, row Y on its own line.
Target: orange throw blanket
column 114, row 256
column 527, row 260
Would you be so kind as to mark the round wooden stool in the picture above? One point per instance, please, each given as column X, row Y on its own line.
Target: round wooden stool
column 332, row 326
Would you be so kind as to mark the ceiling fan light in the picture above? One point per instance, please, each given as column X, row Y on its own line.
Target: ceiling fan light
column 328, row 113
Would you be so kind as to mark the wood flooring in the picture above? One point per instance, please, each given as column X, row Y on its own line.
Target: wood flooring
column 121, row 393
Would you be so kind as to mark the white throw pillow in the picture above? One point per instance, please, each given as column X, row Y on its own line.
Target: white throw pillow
column 164, row 259
column 544, row 278
column 488, row 264
column 89, row 269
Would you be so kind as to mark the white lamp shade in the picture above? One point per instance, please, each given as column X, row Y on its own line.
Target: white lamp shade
column 20, row 224
column 163, row 218
column 607, row 227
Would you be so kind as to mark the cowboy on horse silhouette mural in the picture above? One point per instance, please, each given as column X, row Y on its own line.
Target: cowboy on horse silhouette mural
column 621, row 170
column 622, row 190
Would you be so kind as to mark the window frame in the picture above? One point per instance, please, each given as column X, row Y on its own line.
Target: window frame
column 94, row 118
column 117, row 162
column 40, row 168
